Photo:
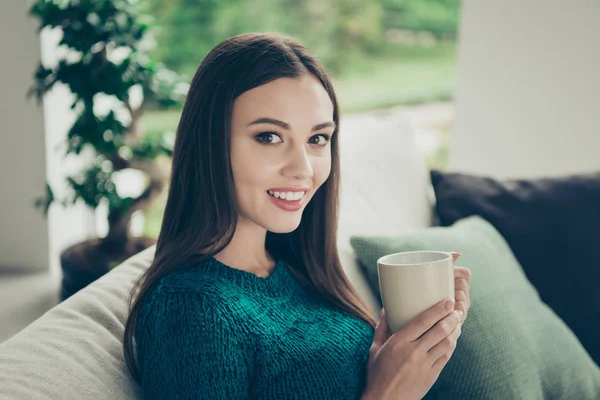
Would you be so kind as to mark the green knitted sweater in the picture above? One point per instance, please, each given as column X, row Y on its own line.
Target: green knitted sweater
column 214, row 332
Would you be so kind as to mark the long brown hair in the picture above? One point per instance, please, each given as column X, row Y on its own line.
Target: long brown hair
column 201, row 211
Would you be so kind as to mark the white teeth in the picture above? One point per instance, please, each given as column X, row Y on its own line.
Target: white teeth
column 290, row 196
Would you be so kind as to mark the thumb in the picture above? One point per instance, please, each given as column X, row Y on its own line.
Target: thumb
column 382, row 330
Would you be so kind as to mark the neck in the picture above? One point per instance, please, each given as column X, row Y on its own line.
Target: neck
column 247, row 251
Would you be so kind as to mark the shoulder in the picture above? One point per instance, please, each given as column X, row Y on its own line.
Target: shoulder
column 176, row 298
column 202, row 282
column 165, row 309
column 187, row 292
column 170, row 311
column 183, row 332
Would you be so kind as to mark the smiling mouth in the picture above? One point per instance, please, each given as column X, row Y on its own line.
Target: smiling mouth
column 287, row 196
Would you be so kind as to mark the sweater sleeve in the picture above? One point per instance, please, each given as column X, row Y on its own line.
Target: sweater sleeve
column 188, row 348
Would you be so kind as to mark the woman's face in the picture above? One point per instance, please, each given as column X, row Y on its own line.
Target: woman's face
column 280, row 150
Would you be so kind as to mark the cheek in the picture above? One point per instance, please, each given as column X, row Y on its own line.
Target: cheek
column 242, row 169
column 250, row 169
column 322, row 169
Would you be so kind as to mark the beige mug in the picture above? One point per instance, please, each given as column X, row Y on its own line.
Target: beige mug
column 411, row 282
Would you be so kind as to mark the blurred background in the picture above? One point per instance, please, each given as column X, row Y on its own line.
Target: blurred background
column 506, row 89
column 391, row 56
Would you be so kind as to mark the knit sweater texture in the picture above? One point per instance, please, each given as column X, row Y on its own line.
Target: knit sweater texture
column 211, row 331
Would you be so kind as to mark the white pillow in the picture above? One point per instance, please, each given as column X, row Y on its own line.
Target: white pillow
column 385, row 188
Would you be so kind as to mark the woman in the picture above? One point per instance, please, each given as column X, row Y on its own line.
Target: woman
column 246, row 297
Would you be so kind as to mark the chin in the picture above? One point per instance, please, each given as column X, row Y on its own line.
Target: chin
column 283, row 222
column 282, row 226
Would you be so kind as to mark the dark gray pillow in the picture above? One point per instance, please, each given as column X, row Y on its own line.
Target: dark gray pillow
column 553, row 227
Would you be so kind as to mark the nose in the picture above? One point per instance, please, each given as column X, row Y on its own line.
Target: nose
column 299, row 165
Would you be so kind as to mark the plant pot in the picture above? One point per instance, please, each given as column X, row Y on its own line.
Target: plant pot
column 84, row 262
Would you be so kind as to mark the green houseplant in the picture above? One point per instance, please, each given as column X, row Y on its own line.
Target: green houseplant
column 107, row 58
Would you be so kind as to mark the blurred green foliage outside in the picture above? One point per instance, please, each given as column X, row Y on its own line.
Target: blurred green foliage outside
column 380, row 53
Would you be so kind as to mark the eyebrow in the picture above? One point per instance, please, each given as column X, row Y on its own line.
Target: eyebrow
column 286, row 126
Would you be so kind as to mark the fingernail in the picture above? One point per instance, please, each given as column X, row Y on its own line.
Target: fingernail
column 449, row 303
column 461, row 314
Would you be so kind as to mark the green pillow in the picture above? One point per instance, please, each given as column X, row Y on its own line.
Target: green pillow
column 513, row 346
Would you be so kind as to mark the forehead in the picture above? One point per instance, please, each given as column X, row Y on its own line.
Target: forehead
column 288, row 99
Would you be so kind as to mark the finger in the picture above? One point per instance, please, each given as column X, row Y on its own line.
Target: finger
column 461, row 308
column 462, row 272
column 461, row 293
column 426, row 320
column 455, row 255
column 442, row 361
column 382, row 330
column 446, row 345
column 440, row 331
column 462, row 284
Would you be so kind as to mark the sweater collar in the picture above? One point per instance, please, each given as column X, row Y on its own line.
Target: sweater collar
column 280, row 279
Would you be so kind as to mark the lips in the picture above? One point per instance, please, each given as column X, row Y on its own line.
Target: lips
column 295, row 204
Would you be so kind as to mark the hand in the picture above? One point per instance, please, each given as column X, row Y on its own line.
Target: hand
column 407, row 363
column 462, row 279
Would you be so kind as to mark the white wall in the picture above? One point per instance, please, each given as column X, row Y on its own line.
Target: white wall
column 29, row 136
column 23, row 230
column 528, row 88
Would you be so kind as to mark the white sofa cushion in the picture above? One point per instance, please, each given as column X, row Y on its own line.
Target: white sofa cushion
column 75, row 350
column 385, row 188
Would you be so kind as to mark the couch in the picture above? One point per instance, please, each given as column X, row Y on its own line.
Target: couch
column 74, row 351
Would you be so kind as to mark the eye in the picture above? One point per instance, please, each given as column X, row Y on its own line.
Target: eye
column 321, row 139
column 267, row 138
